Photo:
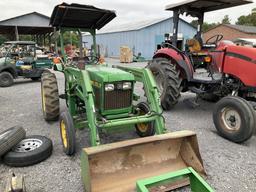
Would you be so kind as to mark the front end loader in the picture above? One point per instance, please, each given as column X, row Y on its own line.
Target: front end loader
column 102, row 99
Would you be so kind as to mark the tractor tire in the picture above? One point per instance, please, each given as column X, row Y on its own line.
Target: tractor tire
column 50, row 97
column 68, row 134
column 144, row 129
column 31, row 150
column 209, row 97
column 6, row 79
column 234, row 119
column 11, row 137
column 168, row 80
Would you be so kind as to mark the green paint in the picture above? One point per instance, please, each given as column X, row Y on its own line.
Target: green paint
column 197, row 183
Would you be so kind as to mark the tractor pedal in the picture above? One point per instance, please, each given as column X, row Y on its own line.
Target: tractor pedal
column 63, row 96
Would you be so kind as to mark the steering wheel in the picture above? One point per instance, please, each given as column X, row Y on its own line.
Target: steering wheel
column 215, row 38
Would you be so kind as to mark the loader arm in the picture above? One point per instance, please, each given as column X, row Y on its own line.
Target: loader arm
column 145, row 76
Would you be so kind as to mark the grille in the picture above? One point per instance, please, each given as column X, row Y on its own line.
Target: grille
column 117, row 99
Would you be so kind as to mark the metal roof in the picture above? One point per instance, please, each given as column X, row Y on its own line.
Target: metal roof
column 206, row 5
column 243, row 28
column 134, row 26
column 80, row 16
column 30, row 23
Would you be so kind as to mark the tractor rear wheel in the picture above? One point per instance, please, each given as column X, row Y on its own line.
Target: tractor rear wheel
column 144, row 129
column 6, row 79
column 234, row 119
column 168, row 81
column 67, row 132
column 50, row 97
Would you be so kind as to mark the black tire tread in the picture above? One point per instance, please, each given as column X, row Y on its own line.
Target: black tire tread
column 71, row 134
column 2, row 84
column 241, row 136
column 52, row 106
column 173, row 82
column 10, row 140
column 17, row 159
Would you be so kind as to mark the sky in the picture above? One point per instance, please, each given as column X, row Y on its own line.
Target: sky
column 127, row 11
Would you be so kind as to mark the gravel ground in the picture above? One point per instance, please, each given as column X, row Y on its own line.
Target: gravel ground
column 230, row 167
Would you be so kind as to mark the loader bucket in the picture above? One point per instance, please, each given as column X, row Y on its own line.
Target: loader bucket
column 117, row 166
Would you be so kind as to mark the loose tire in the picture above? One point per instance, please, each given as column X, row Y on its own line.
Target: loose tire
column 31, row 150
column 168, row 80
column 50, row 97
column 67, row 132
column 10, row 137
column 6, row 79
column 234, row 119
column 144, row 129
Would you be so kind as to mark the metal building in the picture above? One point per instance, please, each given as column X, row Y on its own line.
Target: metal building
column 141, row 37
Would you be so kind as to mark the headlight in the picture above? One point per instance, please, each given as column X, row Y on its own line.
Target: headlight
column 127, row 85
column 109, row 87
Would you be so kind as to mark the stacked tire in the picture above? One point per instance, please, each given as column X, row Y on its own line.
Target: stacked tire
column 18, row 150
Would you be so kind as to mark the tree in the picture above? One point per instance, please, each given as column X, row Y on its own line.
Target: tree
column 206, row 26
column 247, row 19
column 225, row 20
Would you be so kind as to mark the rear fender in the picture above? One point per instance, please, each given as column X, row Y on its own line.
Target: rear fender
column 181, row 60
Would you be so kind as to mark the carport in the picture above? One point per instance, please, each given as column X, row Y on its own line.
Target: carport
column 34, row 24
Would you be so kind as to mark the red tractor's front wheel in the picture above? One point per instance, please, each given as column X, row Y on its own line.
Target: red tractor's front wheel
column 168, row 81
column 234, row 119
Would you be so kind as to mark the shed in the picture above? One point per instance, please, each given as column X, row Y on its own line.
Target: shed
column 142, row 37
column 34, row 23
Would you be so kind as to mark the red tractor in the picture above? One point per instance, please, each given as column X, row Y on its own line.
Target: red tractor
column 213, row 70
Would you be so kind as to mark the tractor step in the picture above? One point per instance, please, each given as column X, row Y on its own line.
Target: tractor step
column 206, row 81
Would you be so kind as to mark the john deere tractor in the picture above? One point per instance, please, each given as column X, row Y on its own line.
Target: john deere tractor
column 102, row 99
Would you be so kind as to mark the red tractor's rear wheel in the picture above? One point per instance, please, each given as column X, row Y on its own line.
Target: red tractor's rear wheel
column 168, row 80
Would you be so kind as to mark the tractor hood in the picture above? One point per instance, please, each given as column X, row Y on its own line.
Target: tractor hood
column 101, row 73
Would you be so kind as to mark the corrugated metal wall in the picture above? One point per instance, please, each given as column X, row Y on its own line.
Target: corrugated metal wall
column 144, row 40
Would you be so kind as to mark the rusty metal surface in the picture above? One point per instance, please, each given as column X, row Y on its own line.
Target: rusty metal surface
column 123, row 163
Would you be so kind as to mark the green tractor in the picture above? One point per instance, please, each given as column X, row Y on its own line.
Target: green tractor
column 19, row 59
column 102, row 99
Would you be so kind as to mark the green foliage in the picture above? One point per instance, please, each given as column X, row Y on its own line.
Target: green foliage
column 225, row 20
column 206, row 26
column 247, row 19
column 71, row 37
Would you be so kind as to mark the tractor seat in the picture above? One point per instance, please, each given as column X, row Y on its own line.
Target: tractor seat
column 194, row 45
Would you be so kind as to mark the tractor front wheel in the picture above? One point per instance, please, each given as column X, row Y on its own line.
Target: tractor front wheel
column 144, row 129
column 50, row 97
column 67, row 132
column 168, row 81
column 234, row 119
